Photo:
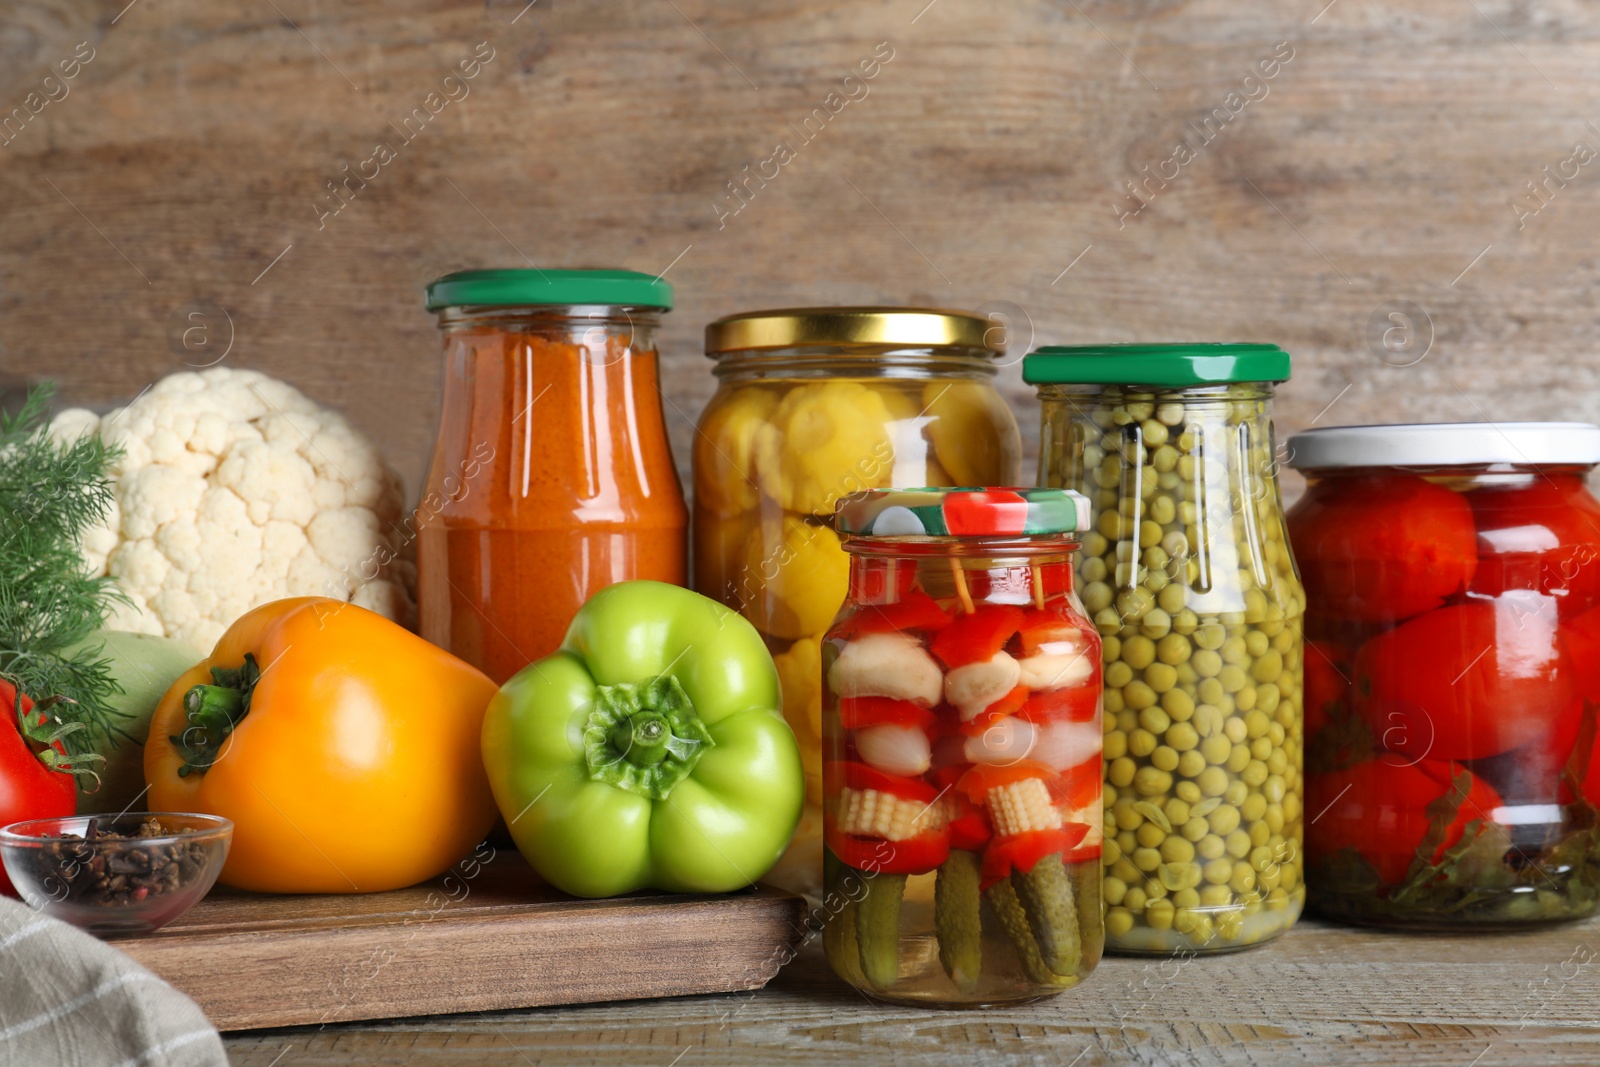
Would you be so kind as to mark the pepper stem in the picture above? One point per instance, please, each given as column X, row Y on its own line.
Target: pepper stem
column 644, row 737
column 213, row 711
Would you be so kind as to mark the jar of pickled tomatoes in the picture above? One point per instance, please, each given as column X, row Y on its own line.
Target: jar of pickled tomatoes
column 962, row 738
column 813, row 404
column 1452, row 574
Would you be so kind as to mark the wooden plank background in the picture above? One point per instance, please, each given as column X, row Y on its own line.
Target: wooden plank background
column 1383, row 165
column 1318, row 995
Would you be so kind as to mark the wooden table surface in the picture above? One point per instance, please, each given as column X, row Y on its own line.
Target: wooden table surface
column 1321, row 994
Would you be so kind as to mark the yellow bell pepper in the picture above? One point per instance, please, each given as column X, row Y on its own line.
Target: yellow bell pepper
column 795, row 578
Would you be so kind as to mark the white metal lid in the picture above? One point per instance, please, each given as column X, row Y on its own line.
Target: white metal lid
column 1446, row 444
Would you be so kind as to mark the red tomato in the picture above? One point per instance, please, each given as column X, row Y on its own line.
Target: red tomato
column 1581, row 638
column 1532, row 774
column 28, row 789
column 1543, row 536
column 1326, row 690
column 1380, row 809
column 1465, row 682
column 1381, row 548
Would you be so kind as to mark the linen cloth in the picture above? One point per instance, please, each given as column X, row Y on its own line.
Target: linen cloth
column 68, row 999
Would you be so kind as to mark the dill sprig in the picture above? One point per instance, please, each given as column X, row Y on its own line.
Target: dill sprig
column 51, row 493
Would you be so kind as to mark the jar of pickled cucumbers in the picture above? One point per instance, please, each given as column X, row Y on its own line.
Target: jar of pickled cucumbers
column 961, row 736
column 1188, row 577
column 814, row 404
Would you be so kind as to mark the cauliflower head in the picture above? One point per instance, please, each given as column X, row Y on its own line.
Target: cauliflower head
column 233, row 490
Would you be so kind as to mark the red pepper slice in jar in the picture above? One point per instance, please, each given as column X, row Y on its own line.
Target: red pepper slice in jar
column 1044, row 627
column 857, row 713
column 918, row 611
column 1006, row 706
column 976, row 636
column 913, row 855
column 1022, row 852
column 1077, row 703
column 882, row 582
column 859, row 776
column 874, row 833
column 977, row 780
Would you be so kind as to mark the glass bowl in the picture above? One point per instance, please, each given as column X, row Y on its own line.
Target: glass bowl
column 116, row 875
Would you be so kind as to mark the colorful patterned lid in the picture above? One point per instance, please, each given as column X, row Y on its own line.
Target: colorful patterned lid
column 965, row 512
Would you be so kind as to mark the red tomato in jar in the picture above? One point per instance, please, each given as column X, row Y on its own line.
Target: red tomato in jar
column 1380, row 809
column 1326, row 690
column 1580, row 637
column 1542, row 536
column 1381, row 548
column 1468, row 681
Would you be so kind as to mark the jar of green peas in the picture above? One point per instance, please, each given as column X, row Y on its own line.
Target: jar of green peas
column 1187, row 574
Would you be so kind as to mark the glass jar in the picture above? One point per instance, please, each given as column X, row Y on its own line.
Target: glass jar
column 813, row 404
column 1188, row 577
column 1453, row 613
column 551, row 475
column 961, row 722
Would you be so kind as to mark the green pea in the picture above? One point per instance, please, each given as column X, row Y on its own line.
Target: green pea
column 1152, row 781
column 1160, row 677
column 1232, row 678
column 1190, row 792
column 1173, row 649
column 1138, row 696
column 1141, row 743
column 1194, row 829
column 1207, row 664
column 1210, row 636
column 1179, row 705
column 1269, row 667
column 1213, row 781
column 1120, row 772
column 1156, row 623
column 1164, row 758
column 1216, row 749
column 1182, row 736
column 1118, row 675
column 1224, row 820
column 1148, row 835
column 1191, row 763
column 1137, row 653
column 1155, row 720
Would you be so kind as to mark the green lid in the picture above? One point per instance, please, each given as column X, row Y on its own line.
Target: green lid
column 1182, row 364
column 519, row 288
column 964, row 512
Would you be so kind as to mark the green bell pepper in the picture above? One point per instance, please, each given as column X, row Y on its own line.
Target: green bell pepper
column 648, row 751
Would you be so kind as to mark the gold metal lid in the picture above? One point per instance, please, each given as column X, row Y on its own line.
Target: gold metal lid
column 799, row 327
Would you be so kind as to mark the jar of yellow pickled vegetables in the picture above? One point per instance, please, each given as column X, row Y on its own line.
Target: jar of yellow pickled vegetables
column 814, row 404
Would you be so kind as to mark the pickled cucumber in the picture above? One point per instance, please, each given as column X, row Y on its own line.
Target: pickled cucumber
column 1048, row 901
column 1002, row 897
column 956, row 906
column 878, row 928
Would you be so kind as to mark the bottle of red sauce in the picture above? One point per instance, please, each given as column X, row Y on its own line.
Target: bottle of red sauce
column 551, row 476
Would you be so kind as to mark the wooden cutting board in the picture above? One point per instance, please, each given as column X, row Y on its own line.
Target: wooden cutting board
column 496, row 939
